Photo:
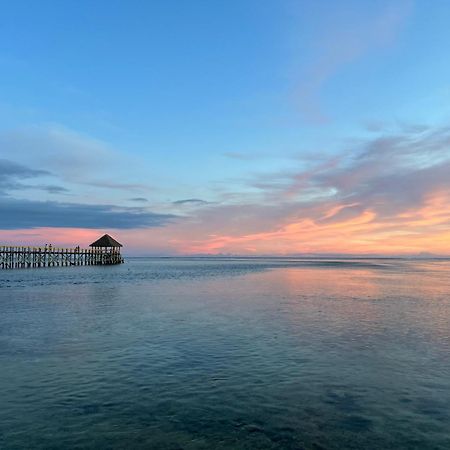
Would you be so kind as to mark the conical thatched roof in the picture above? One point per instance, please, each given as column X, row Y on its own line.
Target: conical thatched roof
column 106, row 241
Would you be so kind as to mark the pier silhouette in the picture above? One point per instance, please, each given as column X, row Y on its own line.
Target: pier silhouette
column 104, row 251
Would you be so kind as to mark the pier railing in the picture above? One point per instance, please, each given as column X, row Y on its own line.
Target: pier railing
column 28, row 257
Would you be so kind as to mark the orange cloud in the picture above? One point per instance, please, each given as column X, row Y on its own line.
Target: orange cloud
column 426, row 229
column 391, row 197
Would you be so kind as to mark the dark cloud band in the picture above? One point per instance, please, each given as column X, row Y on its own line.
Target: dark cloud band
column 25, row 214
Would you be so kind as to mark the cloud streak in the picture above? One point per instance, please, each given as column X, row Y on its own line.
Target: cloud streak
column 190, row 201
column 388, row 195
column 12, row 173
column 73, row 158
column 26, row 214
column 349, row 36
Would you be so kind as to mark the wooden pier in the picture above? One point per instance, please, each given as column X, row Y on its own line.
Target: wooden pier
column 104, row 251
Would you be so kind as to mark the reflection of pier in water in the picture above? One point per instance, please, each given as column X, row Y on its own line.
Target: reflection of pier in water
column 104, row 251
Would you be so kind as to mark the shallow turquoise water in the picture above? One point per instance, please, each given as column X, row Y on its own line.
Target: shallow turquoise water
column 228, row 354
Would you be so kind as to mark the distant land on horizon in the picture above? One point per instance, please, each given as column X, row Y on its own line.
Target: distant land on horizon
column 419, row 256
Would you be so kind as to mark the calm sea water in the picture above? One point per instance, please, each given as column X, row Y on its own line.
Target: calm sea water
column 227, row 354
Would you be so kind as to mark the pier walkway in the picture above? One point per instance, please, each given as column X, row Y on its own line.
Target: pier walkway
column 27, row 257
column 104, row 251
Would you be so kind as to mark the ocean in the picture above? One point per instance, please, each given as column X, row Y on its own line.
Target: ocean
column 227, row 353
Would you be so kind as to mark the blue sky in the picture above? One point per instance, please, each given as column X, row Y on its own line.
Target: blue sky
column 220, row 101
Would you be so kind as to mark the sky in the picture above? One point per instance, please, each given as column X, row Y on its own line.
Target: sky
column 241, row 127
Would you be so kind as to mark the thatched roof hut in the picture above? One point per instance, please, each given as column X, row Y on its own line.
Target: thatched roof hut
column 105, row 241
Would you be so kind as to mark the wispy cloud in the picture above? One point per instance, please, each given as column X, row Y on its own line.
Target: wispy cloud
column 243, row 156
column 50, row 188
column 190, row 201
column 138, row 199
column 19, row 180
column 118, row 186
column 72, row 157
column 390, row 194
column 349, row 36
column 57, row 149
column 11, row 173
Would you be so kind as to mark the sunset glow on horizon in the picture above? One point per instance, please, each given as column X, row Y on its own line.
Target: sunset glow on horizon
column 283, row 128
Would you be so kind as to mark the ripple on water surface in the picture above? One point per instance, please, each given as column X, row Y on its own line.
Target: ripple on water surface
column 237, row 353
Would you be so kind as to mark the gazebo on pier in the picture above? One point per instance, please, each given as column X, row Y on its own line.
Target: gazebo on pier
column 109, row 249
